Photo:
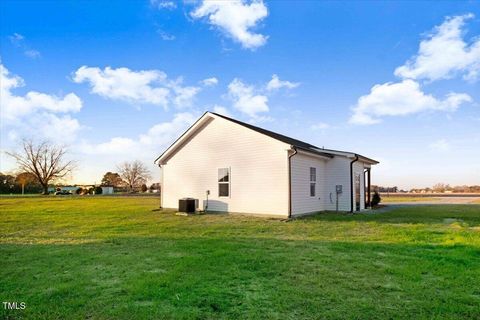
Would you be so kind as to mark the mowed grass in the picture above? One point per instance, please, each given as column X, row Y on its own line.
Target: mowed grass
column 118, row 258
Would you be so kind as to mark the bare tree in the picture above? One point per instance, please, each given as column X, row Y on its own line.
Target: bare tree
column 44, row 160
column 439, row 187
column 134, row 173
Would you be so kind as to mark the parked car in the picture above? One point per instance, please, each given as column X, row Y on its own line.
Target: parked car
column 63, row 193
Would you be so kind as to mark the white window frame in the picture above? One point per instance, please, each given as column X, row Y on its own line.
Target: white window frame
column 229, row 175
column 313, row 182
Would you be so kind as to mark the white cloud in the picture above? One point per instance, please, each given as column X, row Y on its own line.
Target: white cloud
column 146, row 86
column 32, row 54
column 146, row 145
column 275, row 83
column 125, row 84
column 235, row 18
column 165, row 133
column 34, row 114
column 166, row 36
column 57, row 129
column 320, row 126
column 163, row 4
column 14, row 106
column 246, row 100
column 210, row 82
column 221, row 110
column 115, row 146
column 444, row 54
column 251, row 100
column 400, row 99
column 18, row 41
column 184, row 96
column 441, row 145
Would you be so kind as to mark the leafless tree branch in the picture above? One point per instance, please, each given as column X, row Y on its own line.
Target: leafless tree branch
column 134, row 173
column 44, row 160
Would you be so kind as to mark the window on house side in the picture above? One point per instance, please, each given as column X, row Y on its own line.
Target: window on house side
column 224, row 182
column 313, row 181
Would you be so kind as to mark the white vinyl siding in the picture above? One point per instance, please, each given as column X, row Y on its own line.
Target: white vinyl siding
column 302, row 177
column 337, row 172
column 258, row 181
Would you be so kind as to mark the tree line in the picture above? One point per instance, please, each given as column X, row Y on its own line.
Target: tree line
column 39, row 165
column 437, row 188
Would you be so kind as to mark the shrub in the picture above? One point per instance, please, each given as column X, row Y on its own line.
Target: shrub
column 90, row 190
column 144, row 188
column 98, row 190
column 79, row 191
column 376, row 199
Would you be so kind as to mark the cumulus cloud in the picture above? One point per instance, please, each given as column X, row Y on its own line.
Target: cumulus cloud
column 59, row 129
column 125, row 84
column 275, row 83
column 14, row 106
column 444, row 54
column 98, row 157
column 252, row 100
column 221, row 110
column 36, row 114
column 246, row 100
column 184, row 96
column 115, row 146
column 145, row 86
column 235, row 18
column 400, row 99
column 153, row 141
column 210, row 82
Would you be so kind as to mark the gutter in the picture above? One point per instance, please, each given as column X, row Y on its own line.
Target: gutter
column 290, row 181
column 161, row 187
column 351, row 182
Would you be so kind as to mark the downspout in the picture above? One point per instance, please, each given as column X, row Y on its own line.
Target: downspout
column 161, row 187
column 290, row 181
column 351, row 182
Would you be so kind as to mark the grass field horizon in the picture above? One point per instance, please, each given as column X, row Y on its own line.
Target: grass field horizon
column 120, row 257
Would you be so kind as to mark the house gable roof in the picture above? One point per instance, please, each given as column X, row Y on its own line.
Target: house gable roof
column 298, row 143
column 288, row 140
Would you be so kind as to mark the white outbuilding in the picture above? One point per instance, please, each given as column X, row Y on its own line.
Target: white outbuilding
column 232, row 166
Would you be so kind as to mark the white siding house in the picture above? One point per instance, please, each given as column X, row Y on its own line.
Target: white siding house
column 231, row 166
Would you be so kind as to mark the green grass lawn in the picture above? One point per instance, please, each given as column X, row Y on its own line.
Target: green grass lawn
column 110, row 258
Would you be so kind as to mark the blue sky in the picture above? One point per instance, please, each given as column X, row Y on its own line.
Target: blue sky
column 119, row 80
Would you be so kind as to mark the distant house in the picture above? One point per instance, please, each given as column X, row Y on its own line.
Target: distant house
column 107, row 189
column 71, row 189
column 232, row 166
